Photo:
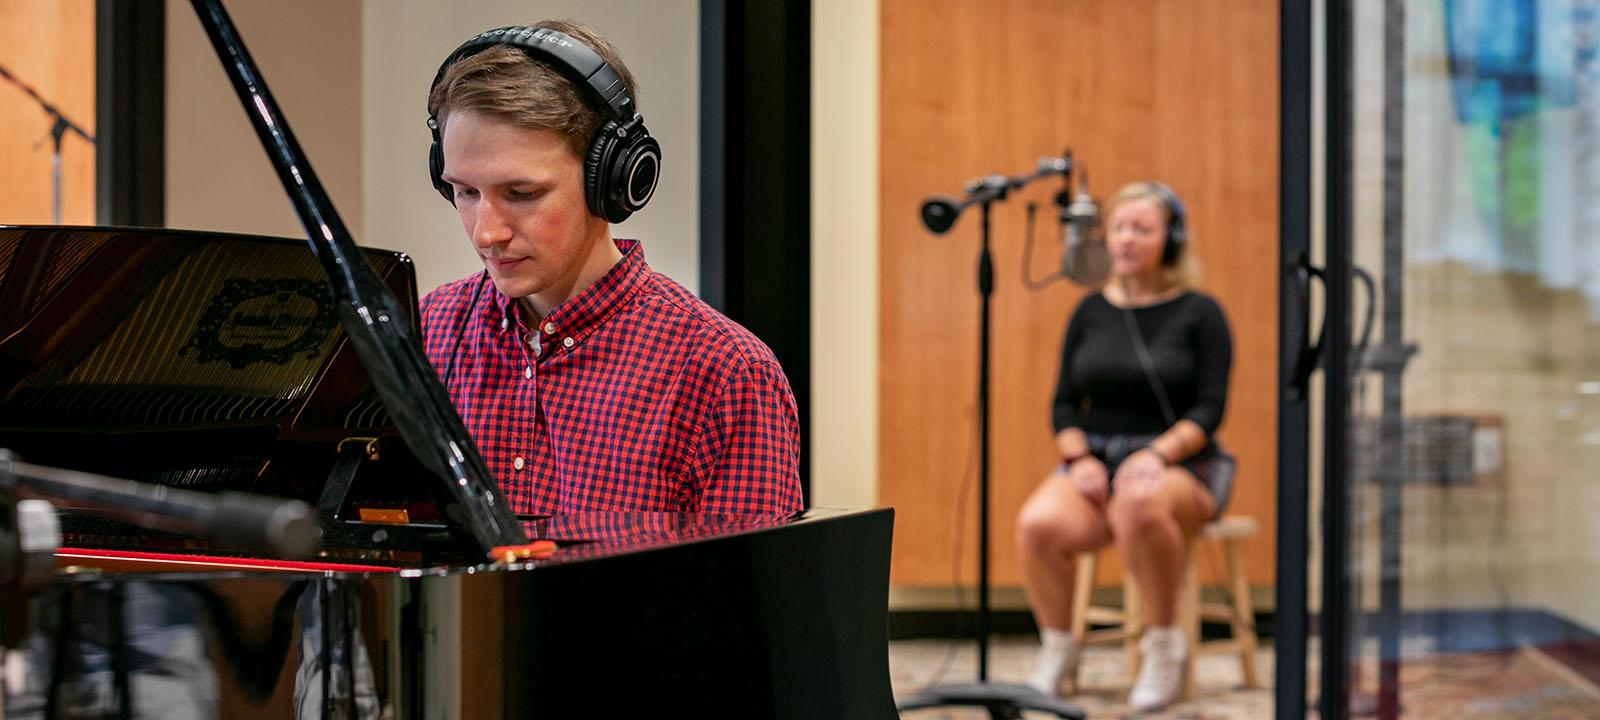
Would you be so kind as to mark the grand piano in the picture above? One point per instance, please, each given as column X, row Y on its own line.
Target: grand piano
column 288, row 373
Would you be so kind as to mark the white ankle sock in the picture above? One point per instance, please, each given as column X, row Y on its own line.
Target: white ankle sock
column 1172, row 634
column 1058, row 655
column 1054, row 637
column 1161, row 671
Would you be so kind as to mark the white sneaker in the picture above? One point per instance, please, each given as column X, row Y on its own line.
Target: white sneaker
column 1160, row 670
column 1057, row 658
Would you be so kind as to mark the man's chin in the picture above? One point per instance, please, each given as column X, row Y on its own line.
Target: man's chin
column 513, row 287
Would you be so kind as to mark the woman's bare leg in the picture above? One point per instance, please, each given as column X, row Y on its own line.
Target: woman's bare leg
column 1056, row 523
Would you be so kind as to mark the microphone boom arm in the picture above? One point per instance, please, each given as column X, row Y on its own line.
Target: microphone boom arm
column 940, row 212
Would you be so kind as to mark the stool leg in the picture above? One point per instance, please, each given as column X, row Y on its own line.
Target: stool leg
column 1243, row 616
column 1082, row 590
column 1189, row 615
column 1132, row 623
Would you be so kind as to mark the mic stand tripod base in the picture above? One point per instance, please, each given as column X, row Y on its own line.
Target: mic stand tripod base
column 1003, row 700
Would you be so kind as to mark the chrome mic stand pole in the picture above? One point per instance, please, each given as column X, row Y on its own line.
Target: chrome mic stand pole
column 57, row 130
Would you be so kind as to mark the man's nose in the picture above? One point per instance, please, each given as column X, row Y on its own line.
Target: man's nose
column 490, row 227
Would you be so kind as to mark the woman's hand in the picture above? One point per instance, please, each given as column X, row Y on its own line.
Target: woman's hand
column 1141, row 472
column 1088, row 474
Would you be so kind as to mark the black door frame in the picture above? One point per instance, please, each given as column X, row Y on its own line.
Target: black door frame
column 1293, row 622
column 755, row 180
column 1291, row 605
column 130, row 112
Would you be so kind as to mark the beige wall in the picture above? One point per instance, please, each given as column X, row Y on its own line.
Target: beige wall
column 402, row 43
column 352, row 77
column 844, row 252
column 218, row 175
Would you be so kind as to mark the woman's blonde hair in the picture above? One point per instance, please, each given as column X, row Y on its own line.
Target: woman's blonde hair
column 1185, row 271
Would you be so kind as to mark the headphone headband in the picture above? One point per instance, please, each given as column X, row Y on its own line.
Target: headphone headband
column 1169, row 197
column 600, row 83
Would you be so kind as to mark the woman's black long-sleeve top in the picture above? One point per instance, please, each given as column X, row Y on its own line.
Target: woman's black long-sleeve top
column 1103, row 388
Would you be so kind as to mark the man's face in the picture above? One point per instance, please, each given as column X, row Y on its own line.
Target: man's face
column 520, row 196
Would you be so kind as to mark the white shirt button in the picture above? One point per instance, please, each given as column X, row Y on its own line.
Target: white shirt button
column 518, row 463
column 567, row 342
column 504, row 322
column 550, row 328
column 527, row 372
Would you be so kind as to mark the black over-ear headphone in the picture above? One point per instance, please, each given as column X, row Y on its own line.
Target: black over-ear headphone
column 623, row 163
column 1177, row 223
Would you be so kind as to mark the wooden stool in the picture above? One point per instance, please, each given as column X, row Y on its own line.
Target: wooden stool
column 1126, row 624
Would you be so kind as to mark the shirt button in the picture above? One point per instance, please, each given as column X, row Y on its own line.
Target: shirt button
column 517, row 462
column 550, row 328
column 527, row 372
column 504, row 322
column 567, row 342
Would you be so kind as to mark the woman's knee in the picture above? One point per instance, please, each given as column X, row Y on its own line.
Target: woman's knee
column 1134, row 512
column 1039, row 532
column 1056, row 533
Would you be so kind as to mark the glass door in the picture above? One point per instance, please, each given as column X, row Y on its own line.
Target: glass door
column 1459, row 438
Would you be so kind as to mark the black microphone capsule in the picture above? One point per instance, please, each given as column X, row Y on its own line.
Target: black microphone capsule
column 939, row 213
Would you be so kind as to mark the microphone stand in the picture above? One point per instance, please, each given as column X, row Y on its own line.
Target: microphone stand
column 1003, row 700
column 236, row 521
column 30, row 533
column 57, row 130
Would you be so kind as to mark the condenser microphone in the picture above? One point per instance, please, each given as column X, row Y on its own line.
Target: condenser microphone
column 1084, row 259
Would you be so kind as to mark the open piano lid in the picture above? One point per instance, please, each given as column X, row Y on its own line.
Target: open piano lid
column 208, row 362
column 337, row 283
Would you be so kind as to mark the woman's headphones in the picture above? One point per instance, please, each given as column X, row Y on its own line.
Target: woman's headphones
column 623, row 163
column 1177, row 223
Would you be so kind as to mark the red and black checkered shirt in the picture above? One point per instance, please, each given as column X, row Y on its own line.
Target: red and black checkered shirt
column 631, row 395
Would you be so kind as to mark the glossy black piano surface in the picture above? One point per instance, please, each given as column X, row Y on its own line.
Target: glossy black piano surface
column 669, row 616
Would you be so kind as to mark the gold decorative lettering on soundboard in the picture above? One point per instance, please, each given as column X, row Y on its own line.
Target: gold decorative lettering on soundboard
column 263, row 320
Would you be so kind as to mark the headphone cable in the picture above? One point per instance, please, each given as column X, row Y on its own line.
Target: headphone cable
column 461, row 329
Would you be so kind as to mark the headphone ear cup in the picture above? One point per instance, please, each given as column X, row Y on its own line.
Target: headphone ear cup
column 621, row 170
column 638, row 173
column 595, row 165
column 436, row 172
column 1177, row 223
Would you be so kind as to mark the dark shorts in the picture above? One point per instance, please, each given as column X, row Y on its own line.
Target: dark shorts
column 1214, row 469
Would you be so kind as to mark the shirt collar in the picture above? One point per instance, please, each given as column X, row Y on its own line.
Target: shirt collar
column 580, row 315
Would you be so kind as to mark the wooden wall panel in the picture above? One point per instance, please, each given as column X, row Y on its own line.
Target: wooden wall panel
column 49, row 46
column 1185, row 92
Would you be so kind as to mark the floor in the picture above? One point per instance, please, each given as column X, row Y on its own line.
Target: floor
column 1527, row 682
column 914, row 664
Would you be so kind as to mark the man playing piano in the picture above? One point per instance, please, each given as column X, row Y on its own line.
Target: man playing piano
column 589, row 381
